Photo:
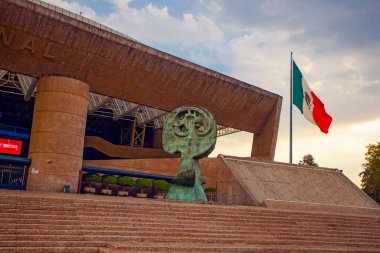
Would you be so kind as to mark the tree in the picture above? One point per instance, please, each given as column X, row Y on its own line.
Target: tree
column 308, row 160
column 371, row 174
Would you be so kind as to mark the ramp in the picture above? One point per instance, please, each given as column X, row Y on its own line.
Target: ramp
column 252, row 182
column 120, row 151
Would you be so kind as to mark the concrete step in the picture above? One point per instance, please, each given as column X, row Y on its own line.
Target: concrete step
column 370, row 238
column 72, row 218
column 49, row 243
column 169, row 205
column 241, row 248
column 34, row 221
column 145, row 222
column 120, row 229
column 150, row 227
column 153, row 222
column 77, row 223
column 274, row 240
column 52, row 249
column 112, row 211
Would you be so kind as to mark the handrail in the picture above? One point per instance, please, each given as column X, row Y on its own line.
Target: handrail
column 13, row 159
column 14, row 135
column 126, row 173
column 15, row 128
column 14, row 132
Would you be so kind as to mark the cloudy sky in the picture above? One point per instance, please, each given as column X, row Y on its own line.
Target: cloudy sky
column 336, row 44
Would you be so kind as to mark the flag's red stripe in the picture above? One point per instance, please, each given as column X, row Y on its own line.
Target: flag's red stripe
column 321, row 118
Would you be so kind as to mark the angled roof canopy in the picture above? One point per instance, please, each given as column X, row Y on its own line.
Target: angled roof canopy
column 38, row 39
column 118, row 66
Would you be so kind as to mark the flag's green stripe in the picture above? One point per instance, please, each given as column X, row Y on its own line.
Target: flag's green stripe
column 297, row 87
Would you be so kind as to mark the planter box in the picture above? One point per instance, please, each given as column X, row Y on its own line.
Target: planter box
column 106, row 192
column 211, row 197
column 141, row 195
column 159, row 196
column 89, row 190
column 122, row 193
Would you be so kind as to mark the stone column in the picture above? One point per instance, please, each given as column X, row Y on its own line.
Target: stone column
column 57, row 135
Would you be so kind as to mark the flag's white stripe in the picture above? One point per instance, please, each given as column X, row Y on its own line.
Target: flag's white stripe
column 307, row 107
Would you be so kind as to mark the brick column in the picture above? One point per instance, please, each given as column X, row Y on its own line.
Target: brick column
column 57, row 136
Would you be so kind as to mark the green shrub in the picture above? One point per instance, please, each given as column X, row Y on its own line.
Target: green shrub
column 109, row 179
column 210, row 190
column 161, row 185
column 92, row 177
column 126, row 181
column 143, row 183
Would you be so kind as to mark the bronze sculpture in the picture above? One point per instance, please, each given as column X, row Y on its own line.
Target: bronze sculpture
column 191, row 131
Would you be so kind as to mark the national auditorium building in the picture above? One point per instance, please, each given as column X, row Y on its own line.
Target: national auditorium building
column 75, row 94
column 76, row 97
column 73, row 90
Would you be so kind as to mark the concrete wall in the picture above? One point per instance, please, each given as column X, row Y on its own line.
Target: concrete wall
column 315, row 207
column 230, row 191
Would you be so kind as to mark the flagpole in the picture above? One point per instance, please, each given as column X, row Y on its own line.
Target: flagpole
column 291, row 110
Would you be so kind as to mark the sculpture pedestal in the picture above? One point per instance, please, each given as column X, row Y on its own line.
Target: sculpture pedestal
column 194, row 193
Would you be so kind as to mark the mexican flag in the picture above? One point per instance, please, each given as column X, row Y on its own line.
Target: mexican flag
column 309, row 104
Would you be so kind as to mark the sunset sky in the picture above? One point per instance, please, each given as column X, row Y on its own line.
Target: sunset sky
column 336, row 45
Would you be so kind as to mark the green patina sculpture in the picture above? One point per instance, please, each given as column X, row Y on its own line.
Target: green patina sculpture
column 191, row 131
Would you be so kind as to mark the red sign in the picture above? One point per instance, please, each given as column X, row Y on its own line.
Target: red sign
column 12, row 147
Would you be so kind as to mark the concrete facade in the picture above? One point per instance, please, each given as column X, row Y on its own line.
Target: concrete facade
column 57, row 135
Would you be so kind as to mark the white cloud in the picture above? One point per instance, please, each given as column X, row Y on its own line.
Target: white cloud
column 211, row 6
column 262, row 57
column 75, row 7
column 121, row 4
column 152, row 24
column 238, row 144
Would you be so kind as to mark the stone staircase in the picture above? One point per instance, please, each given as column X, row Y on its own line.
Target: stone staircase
column 47, row 222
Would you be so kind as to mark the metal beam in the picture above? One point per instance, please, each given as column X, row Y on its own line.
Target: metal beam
column 147, row 114
column 10, row 81
column 28, row 85
column 222, row 131
column 159, row 122
column 96, row 101
column 2, row 73
column 122, row 108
